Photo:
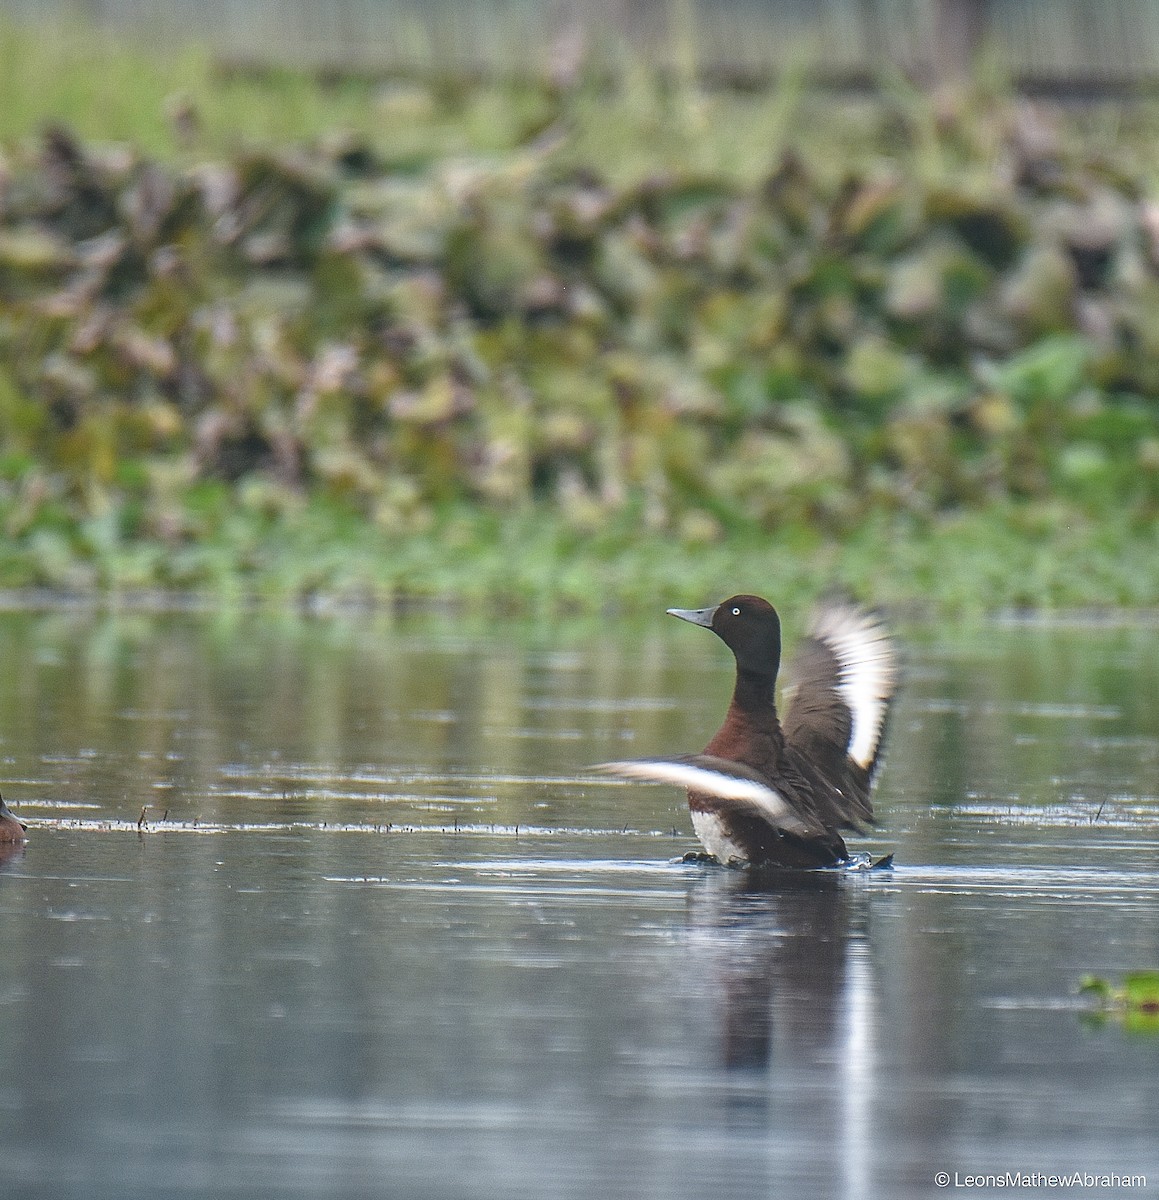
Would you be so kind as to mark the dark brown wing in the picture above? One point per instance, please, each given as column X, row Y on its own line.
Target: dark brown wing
column 844, row 677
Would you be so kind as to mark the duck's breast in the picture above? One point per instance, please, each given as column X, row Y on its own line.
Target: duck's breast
column 716, row 838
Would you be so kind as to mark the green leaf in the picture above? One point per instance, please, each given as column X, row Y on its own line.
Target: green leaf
column 1141, row 991
column 1092, row 985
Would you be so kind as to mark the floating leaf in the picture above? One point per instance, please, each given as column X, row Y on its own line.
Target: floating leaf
column 1093, row 985
column 1135, row 1003
column 1141, row 991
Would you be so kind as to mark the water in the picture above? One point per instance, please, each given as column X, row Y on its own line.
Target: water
column 330, row 908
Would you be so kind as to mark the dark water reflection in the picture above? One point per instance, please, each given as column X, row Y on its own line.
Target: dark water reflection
column 379, row 934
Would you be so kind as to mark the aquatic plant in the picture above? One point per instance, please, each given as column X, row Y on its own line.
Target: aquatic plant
column 1135, row 1002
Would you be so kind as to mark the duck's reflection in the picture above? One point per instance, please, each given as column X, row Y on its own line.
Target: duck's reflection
column 776, row 952
column 10, row 852
column 785, row 961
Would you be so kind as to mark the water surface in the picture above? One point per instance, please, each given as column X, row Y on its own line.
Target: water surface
column 330, row 907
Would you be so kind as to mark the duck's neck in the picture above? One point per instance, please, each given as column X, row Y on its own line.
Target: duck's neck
column 751, row 733
column 755, row 692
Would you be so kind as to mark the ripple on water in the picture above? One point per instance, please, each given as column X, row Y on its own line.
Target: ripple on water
column 1064, row 885
column 1047, row 711
column 1122, row 812
column 462, row 828
column 601, row 704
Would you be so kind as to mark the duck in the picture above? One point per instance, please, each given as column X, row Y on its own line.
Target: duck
column 772, row 793
column 11, row 828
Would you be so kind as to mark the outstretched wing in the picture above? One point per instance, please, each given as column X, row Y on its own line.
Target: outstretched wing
column 844, row 677
column 731, row 785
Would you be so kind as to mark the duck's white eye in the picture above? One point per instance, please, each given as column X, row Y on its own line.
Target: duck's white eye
column 736, row 612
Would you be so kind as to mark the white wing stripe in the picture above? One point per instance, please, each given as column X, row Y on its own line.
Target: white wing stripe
column 703, row 779
column 868, row 664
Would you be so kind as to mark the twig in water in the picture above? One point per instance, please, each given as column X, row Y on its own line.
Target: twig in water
column 141, row 819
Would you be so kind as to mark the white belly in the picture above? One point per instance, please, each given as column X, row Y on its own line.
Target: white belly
column 713, row 837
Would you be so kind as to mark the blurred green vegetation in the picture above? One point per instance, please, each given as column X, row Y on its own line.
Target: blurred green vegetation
column 595, row 339
column 1135, row 1003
